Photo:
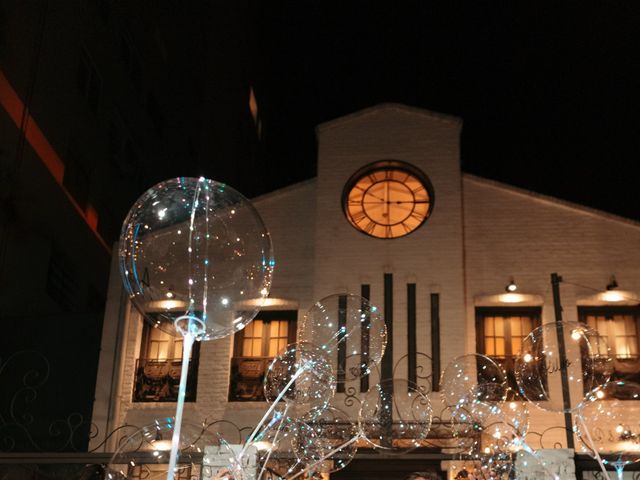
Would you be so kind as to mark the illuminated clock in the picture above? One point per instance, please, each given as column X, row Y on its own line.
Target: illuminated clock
column 387, row 199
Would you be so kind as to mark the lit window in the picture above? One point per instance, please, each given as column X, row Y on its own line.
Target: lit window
column 500, row 333
column 618, row 326
column 254, row 348
column 159, row 367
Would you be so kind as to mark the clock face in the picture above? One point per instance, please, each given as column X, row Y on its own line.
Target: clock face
column 387, row 199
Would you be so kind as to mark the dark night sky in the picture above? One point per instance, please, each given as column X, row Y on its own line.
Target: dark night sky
column 548, row 92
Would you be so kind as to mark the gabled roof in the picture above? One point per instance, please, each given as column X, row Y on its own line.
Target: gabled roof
column 550, row 200
column 388, row 106
column 285, row 190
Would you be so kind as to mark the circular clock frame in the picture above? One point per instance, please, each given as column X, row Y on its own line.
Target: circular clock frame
column 388, row 199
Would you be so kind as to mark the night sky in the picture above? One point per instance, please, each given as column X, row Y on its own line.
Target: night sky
column 548, row 92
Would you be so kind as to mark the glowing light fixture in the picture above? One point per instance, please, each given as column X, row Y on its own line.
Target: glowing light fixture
column 511, row 286
column 612, row 294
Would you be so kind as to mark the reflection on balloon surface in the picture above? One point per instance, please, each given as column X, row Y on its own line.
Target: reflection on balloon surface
column 198, row 250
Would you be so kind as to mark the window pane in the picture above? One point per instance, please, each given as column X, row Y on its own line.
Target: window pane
column 602, row 325
column 273, row 328
column 620, row 326
column 177, row 349
column 273, row 347
column 516, row 343
column 248, row 330
column 257, row 347
column 623, row 348
column 158, row 350
column 500, row 352
column 257, row 328
column 246, row 347
column 499, row 326
column 488, row 327
column 527, row 325
column 284, row 328
column 516, row 326
column 489, row 346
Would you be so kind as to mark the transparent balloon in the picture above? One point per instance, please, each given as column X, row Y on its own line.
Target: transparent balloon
column 530, row 464
column 473, row 378
column 329, row 441
column 145, row 454
column 607, row 423
column 350, row 329
column 498, row 427
column 395, row 416
column 195, row 253
column 302, row 377
column 557, row 353
column 492, row 465
column 274, row 448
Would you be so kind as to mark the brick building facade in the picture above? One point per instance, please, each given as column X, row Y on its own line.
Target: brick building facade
column 479, row 236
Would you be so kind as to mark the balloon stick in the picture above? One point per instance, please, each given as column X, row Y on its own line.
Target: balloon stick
column 274, row 442
column 332, row 452
column 593, row 445
column 272, row 408
column 187, row 344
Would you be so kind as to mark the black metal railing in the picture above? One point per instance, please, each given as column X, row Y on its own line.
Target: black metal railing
column 159, row 380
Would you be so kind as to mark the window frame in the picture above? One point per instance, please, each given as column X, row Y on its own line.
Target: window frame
column 169, row 366
column 267, row 316
column 622, row 366
column 481, row 313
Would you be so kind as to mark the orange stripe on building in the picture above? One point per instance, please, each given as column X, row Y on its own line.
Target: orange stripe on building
column 14, row 106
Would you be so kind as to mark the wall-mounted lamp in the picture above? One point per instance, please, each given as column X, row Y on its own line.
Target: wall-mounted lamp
column 511, row 286
column 612, row 294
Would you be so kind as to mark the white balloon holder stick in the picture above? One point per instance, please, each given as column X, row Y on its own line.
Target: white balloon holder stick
column 332, row 452
column 187, row 345
column 595, row 448
column 271, row 409
column 275, row 443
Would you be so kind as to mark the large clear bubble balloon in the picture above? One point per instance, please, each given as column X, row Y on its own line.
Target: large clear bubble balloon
column 302, row 377
column 492, row 465
column 506, row 429
column 274, row 449
column 491, row 427
column 351, row 330
column 473, row 378
column 607, row 422
column 395, row 416
column 196, row 250
column 530, row 464
column 561, row 352
column 145, row 454
column 328, row 443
